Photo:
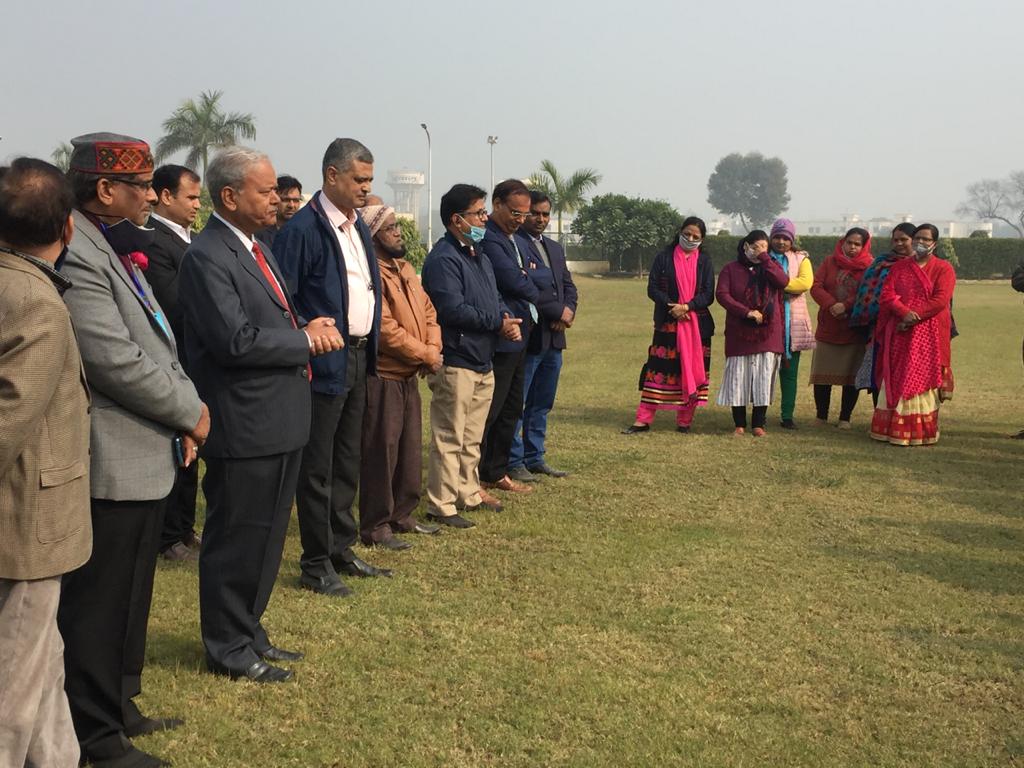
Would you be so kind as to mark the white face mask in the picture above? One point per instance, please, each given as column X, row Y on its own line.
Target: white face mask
column 689, row 245
column 923, row 250
column 752, row 256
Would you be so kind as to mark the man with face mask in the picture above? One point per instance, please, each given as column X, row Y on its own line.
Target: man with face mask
column 460, row 282
column 141, row 400
column 44, row 463
column 410, row 343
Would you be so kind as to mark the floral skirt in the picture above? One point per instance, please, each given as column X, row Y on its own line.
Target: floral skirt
column 661, row 380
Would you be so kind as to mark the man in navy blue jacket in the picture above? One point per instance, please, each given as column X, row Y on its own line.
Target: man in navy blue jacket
column 326, row 254
column 513, row 262
column 460, row 283
column 544, row 351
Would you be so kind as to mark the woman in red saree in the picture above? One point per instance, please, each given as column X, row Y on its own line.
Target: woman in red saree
column 913, row 334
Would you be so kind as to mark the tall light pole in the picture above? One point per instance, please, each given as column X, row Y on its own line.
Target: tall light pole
column 430, row 190
column 492, row 140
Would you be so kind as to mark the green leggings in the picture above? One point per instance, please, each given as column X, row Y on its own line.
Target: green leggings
column 788, row 371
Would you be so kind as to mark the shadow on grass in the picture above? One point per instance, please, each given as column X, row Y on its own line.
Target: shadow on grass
column 174, row 649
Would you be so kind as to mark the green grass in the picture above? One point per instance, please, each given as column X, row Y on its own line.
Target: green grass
column 807, row 599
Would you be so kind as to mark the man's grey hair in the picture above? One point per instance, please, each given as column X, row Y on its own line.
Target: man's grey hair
column 229, row 169
column 343, row 152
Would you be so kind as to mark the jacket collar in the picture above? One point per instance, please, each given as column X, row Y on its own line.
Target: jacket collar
column 60, row 282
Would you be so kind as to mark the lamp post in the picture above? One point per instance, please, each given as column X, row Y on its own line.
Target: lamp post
column 492, row 140
column 430, row 190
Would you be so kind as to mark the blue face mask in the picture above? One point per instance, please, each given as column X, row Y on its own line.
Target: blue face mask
column 475, row 234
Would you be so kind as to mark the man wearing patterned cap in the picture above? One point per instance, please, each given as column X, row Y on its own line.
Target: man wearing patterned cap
column 141, row 402
column 410, row 342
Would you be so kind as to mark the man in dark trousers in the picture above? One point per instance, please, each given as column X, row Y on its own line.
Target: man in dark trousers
column 512, row 259
column 326, row 255
column 248, row 352
column 141, row 400
column 544, row 352
column 177, row 204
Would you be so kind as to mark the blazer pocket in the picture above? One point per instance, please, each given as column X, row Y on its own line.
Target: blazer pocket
column 62, row 493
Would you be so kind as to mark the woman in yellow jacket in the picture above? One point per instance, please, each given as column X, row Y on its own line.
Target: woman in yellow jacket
column 799, row 334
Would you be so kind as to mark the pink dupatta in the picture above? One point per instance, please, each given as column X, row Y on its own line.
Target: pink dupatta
column 690, row 349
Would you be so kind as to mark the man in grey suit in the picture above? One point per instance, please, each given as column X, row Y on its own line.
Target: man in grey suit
column 141, row 399
column 249, row 354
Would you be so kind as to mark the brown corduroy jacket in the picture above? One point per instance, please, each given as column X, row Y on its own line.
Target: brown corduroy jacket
column 408, row 322
column 45, row 527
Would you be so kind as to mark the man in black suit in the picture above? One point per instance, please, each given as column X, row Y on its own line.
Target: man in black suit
column 249, row 353
column 177, row 204
column 544, row 352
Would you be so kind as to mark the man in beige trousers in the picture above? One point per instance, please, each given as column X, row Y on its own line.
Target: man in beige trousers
column 45, row 528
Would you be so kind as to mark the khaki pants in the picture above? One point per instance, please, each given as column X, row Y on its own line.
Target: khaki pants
column 458, row 413
column 35, row 722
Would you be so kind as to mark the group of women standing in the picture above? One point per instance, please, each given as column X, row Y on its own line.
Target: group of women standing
column 884, row 324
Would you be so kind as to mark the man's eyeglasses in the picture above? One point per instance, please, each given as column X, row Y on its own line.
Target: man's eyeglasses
column 518, row 215
column 391, row 228
column 145, row 186
column 481, row 214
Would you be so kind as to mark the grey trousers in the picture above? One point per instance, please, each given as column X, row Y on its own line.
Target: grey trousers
column 35, row 721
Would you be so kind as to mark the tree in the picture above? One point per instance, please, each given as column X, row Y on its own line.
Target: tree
column 997, row 200
column 198, row 126
column 750, row 186
column 415, row 253
column 615, row 224
column 61, row 156
column 567, row 194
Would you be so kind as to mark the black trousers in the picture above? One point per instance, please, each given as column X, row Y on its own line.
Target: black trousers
column 248, row 504
column 103, row 613
column 506, row 410
column 329, row 474
column 391, row 471
column 758, row 416
column 180, row 516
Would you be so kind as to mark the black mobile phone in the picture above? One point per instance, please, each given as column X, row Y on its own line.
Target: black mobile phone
column 178, row 446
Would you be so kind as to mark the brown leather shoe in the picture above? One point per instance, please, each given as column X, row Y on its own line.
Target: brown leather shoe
column 178, row 552
column 490, row 502
column 508, row 484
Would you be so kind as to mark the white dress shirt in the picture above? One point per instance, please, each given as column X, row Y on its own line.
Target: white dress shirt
column 180, row 231
column 361, row 302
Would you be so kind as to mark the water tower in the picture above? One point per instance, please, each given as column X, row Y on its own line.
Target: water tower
column 407, row 186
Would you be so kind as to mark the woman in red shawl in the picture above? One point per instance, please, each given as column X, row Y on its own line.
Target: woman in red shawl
column 913, row 334
column 840, row 348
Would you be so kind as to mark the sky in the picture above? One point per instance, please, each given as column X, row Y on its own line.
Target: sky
column 878, row 107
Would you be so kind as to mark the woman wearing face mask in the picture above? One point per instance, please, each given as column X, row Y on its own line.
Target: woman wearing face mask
column 796, row 320
column 682, row 287
column 864, row 313
column 913, row 335
column 750, row 288
column 840, row 349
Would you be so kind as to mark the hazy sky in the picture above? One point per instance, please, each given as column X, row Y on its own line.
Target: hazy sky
column 877, row 107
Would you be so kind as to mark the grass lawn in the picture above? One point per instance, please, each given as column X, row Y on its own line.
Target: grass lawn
column 805, row 599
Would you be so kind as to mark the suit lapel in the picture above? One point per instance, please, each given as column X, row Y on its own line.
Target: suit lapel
column 248, row 263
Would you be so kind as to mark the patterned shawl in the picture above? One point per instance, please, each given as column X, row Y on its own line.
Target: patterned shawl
column 865, row 307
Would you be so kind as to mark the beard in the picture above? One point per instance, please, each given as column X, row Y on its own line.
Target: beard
column 393, row 252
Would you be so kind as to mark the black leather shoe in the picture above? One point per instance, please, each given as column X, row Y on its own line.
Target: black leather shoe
column 428, row 530
column 132, row 758
column 545, row 469
column 259, row 672
column 357, row 567
column 455, row 521
column 633, row 429
column 273, row 653
column 148, row 725
column 788, row 424
column 683, row 430
column 393, row 543
column 324, row 586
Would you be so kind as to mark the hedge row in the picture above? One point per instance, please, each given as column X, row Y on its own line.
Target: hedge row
column 979, row 258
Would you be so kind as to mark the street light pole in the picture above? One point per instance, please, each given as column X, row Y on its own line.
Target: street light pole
column 492, row 140
column 430, row 190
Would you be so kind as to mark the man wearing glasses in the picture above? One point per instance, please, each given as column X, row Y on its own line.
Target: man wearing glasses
column 513, row 261
column 410, row 343
column 141, row 398
column 460, row 282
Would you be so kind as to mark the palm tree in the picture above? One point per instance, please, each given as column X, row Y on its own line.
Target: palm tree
column 199, row 125
column 567, row 194
column 61, row 156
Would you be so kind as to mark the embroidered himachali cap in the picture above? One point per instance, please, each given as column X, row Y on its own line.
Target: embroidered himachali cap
column 375, row 216
column 110, row 153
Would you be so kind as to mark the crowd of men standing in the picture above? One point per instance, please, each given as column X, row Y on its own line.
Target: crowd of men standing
column 283, row 344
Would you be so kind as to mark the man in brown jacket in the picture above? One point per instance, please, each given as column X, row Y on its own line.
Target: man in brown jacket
column 410, row 343
column 45, row 528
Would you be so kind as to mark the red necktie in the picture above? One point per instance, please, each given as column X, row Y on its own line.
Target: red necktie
column 261, row 262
